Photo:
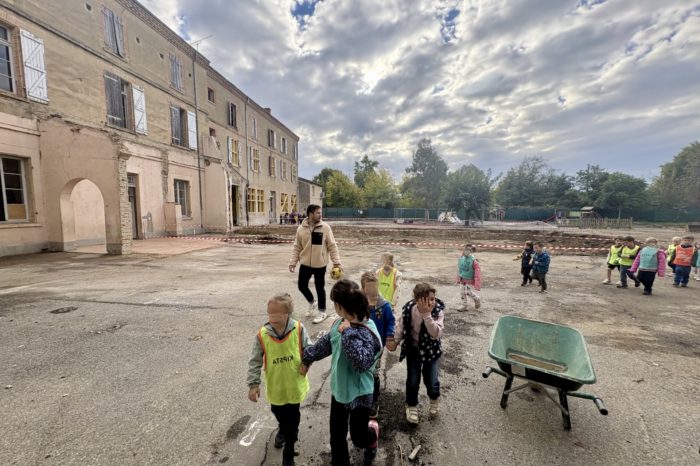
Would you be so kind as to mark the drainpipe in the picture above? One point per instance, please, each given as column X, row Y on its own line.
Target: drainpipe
column 247, row 161
column 199, row 146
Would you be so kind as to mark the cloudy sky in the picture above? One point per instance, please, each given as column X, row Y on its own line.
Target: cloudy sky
column 614, row 83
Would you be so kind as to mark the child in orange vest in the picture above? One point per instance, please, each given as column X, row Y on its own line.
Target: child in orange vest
column 682, row 258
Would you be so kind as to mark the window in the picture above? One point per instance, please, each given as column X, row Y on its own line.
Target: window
column 118, row 107
column 284, row 171
column 114, row 32
column 295, row 151
column 284, row 203
column 283, row 149
column 210, row 94
column 212, row 132
column 183, row 127
column 14, row 200
column 232, row 115
column 182, row 196
column 295, row 203
column 261, row 200
column 175, row 73
column 272, row 167
column 233, row 153
column 7, row 82
column 271, row 138
column 294, row 174
column 255, row 129
column 252, row 205
column 255, row 160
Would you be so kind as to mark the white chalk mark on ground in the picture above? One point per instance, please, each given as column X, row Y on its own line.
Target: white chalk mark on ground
column 254, row 429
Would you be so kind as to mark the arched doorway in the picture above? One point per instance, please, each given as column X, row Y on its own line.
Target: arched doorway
column 83, row 221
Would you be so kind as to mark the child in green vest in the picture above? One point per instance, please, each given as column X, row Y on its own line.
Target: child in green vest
column 675, row 242
column 278, row 349
column 650, row 261
column 388, row 276
column 613, row 259
column 627, row 256
column 469, row 275
column 355, row 346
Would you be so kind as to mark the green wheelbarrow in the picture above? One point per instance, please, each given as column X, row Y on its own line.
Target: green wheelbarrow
column 547, row 356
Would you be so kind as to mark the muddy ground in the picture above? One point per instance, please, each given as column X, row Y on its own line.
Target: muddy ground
column 142, row 360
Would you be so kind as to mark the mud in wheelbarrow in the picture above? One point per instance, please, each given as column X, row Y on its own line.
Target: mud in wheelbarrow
column 547, row 356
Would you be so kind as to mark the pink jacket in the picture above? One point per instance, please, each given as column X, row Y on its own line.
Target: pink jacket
column 476, row 281
column 660, row 256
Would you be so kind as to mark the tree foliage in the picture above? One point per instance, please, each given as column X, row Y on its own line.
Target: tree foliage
column 365, row 168
column 588, row 183
column 380, row 190
column 340, row 191
column 678, row 185
column 535, row 183
column 425, row 176
column 468, row 188
column 622, row 191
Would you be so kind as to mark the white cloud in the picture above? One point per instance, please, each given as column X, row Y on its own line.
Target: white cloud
column 587, row 81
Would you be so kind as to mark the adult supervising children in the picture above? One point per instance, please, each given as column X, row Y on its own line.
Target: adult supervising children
column 313, row 246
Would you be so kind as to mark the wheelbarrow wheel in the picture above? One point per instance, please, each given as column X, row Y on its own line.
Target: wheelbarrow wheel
column 504, row 397
column 566, row 418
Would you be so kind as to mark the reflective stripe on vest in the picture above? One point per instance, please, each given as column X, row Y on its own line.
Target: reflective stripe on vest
column 387, row 283
column 683, row 256
column 627, row 261
column 281, row 361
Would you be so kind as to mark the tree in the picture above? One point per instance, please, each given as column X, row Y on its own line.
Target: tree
column 534, row 183
column 622, row 191
column 678, row 185
column 589, row 181
column 425, row 175
column 340, row 191
column 363, row 169
column 468, row 188
column 324, row 175
column 380, row 190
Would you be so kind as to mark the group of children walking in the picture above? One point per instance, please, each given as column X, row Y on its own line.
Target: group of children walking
column 534, row 263
column 642, row 264
column 355, row 343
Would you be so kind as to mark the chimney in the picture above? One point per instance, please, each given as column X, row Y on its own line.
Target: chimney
column 268, row 110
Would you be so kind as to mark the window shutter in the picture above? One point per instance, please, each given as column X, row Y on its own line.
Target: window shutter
column 139, row 110
column 250, row 158
column 109, row 28
column 229, row 146
column 119, row 34
column 192, row 130
column 34, row 67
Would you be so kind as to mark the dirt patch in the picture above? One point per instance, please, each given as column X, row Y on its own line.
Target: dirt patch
column 63, row 310
column 237, row 428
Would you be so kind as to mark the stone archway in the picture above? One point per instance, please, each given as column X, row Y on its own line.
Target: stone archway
column 83, row 220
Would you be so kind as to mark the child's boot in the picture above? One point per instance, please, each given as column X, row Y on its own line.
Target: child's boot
column 412, row 415
column 434, row 408
column 477, row 302
column 371, row 451
column 279, row 439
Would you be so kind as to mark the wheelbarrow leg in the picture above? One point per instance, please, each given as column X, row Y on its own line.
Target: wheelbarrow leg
column 565, row 410
column 504, row 397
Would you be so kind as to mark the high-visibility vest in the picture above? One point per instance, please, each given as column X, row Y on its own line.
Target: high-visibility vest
column 614, row 255
column 281, row 362
column 649, row 259
column 627, row 256
column 683, row 256
column 387, row 283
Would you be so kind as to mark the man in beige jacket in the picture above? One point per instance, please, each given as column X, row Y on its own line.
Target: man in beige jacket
column 313, row 245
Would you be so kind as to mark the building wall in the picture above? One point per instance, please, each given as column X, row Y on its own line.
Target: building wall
column 88, row 214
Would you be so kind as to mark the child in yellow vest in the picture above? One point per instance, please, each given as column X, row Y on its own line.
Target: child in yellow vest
column 627, row 256
column 613, row 259
column 675, row 242
column 278, row 349
column 388, row 276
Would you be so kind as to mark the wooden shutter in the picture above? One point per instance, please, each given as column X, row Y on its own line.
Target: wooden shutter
column 114, row 102
column 175, row 125
column 34, row 67
column 250, row 158
column 140, row 124
column 192, row 130
column 229, row 147
column 119, row 34
column 109, row 28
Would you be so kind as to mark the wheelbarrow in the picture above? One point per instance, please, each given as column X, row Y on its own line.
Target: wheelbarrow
column 546, row 356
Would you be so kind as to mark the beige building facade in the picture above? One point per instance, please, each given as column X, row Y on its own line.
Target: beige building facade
column 309, row 193
column 114, row 129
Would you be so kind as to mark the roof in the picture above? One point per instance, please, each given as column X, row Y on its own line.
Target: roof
column 587, row 208
column 304, row 180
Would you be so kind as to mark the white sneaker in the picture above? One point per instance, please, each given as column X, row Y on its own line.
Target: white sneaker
column 606, row 282
column 412, row 415
column 618, row 283
column 320, row 318
column 313, row 308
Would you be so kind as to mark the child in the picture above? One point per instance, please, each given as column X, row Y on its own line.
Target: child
column 540, row 265
column 469, row 275
column 627, row 256
column 525, row 266
column 697, row 261
column 278, row 349
column 381, row 313
column 613, row 259
column 682, row 259
column 355, row 347
column 650, row 261
column 675, row 241
column 420, row 331
column 388, row 276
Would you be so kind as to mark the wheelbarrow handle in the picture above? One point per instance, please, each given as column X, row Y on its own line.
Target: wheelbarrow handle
column 601, row 406
column 491, row 370
column 487, row 372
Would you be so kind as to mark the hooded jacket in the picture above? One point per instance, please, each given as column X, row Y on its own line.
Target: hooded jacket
column 314, row 245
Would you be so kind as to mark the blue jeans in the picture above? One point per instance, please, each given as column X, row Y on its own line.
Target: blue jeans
column 682, row 274
column 624, row 273
column 415, row 368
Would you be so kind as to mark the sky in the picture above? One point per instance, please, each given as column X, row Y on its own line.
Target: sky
column 608, row 82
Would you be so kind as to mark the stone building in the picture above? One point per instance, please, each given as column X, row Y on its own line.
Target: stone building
column 309, row 193
column 113, row 128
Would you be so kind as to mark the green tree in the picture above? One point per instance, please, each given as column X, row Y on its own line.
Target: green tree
column 534, row 183
column 468, row 188
column 589, row 181
column 324, row 175
column 426, row 175
column 364, row 169
column 340, row 191
column 380, row 190
column 622, row 191
column 678, row 185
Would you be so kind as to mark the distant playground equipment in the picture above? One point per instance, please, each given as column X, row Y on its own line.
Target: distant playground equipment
column 449, row 217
